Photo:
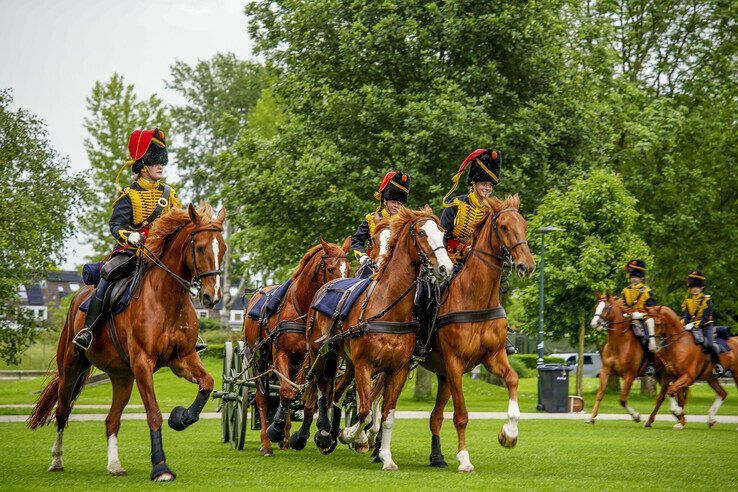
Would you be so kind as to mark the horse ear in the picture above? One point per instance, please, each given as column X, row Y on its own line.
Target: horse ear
column 326, row 248
column 598, row 296
column 221, row 216
column 194, row 217
column 346, row 244
column 428, row 210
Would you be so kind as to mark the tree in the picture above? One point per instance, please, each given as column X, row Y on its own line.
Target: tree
column 39, row 199
column 600, row 216
column 219, row 95
column 114, row 111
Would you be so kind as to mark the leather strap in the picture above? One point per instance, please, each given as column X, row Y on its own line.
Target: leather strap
column 290, row 327
column 471, row 316
column 375, row 327
column 116, row 341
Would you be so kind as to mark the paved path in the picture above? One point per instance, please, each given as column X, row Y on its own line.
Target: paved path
column 82, row 417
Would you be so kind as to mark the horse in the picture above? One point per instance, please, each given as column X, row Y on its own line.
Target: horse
column 684, row 363
column 472, row 326
column 378, row 335
column 283, row 334
column 622, row 355
column 159, row 328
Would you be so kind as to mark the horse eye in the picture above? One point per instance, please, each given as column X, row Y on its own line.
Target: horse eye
column 200, row 249
column 504, row 228
column 422, row 233
column 330, row 270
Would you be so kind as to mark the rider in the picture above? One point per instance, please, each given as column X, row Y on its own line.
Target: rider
column 461, row 214
column 697, row 307
column 136, row 208
column 392, row 194
column 638, row 296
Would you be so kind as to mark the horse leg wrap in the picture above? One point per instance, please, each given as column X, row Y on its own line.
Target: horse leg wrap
column 377, row 445
column 160, row 469
column 181, row 418
column 322, row 423
column 157, row 448
column 299, row 439
column 336, row 422
column 436, row 456
column 275, row 432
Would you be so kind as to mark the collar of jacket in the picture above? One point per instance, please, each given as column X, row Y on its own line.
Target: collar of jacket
column 146, row 184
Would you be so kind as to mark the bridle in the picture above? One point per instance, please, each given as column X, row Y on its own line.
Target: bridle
column 605, row 323
column 424, row 257
column 193, row 286
column 506, row 252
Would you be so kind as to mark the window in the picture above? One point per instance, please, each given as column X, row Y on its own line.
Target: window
column 587, row 360
column 202, row 313
column 43, row 284
column 39, row 312
column 60, row 288
column 236, row 316
column 22, row 292
column 74, row 287
column 571, row 360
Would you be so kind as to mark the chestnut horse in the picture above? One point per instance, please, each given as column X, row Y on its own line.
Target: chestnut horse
column 378, row 335
column 684, row 363
column 473, row 327
column 284, row 333
column 159, row 328
column 622, row 355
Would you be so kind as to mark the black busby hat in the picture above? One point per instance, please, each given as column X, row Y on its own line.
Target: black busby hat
column 485, row 167
column 156, row 153
column 696, row 278
column 395, row 186
column 636, row 268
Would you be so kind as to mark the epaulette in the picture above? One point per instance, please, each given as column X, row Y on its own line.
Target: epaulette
column 124, row 192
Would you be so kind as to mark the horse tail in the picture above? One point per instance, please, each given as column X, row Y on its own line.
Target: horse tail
column 41, row 413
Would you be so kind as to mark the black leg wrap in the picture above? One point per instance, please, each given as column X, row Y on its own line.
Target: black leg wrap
column 377, row 445
column 322, row 423
column 157, row 449
column 275, row 432
column 436, row 456
column 181, row 418
column 299, row 439
column 336, row 422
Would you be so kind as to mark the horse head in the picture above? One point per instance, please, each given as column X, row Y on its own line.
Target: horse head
column 204, row 257
column 608, row 310
column 425, row 241
column 503, row 230
column 333, row 262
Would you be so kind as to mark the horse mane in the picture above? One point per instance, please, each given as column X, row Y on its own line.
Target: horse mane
column 306, row 260
column 171, row 222
column 397, row 223
column 494, row 206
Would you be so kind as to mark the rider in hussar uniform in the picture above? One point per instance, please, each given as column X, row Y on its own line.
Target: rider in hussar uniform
column 697, row 307
column 638, row 297
column 136, row 208
column 392, row 194
column 463, row 212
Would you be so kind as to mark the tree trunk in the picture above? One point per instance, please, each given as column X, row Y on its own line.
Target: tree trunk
column 648, row 386
column 613, row 384
column 226, row 287
column 423, row 384
column 580, row 358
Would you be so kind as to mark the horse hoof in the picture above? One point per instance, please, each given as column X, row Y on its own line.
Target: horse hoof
column 298, row 441
column 285, row 444
column 177, row 419
column 678, row 426
column 711, row 423
column 648, row 425
column 362, row 448
column 266, row 451
column 438, row 461
column 590, row 421
column 274, row 434
column 342, row 438
column 391, row 466
column 162, row 473
column 466, row 469
column 323, row 440
column 505, row 442
column 56, row 468
column 636, row 418
column 117, row 471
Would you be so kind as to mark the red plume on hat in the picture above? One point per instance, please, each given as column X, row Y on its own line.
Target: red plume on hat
column 494, row 154
column 138, row 144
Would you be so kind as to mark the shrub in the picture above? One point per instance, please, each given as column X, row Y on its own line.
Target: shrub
column 207, row 324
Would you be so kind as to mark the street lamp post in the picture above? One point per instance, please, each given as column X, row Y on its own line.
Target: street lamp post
column 543, row 231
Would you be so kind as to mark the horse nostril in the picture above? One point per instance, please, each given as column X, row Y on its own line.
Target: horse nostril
column 442, row 269
column 207, row 300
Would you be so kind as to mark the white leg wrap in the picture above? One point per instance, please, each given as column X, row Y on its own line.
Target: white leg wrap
column 632, row 412
column 385, row 454
column 674, row 407
column 513, row 415
column 57, row 463
column 650, row 326
column 114, row 466
column 464, row 462
column 714, row 408
column 376, row 423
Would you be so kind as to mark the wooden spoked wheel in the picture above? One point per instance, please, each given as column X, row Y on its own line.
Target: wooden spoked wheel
column 239, row 407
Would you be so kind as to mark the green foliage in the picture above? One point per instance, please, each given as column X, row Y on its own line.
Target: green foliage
column 530, row 361
column 219, row 94
column 599, row 216
column 208, row 324
column 58, row 315
column 38, row 202
column 114, row 111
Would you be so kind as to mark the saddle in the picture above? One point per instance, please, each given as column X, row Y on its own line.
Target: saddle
column 337, row 298
column 269, row 302
column 639, row 330
column 722, row 335
column 119, row 292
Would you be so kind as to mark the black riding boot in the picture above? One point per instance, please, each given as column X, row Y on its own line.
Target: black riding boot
column 650, row 370
column 83, row 339
column 714, row 351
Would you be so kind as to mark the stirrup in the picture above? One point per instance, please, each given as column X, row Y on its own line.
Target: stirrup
column 650, row 370
column 718, row 370
column 83, row 339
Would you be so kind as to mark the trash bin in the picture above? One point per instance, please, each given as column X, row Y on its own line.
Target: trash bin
column 553, row 388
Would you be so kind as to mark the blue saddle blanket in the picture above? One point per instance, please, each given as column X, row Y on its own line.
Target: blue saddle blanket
column 723, row 334
column 272, row 300
column 328, row 301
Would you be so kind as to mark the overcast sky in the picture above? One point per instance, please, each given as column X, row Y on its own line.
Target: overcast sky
column 52, row 52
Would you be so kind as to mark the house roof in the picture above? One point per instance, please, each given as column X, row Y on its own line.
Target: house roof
column 35, row 295
column 63, row 276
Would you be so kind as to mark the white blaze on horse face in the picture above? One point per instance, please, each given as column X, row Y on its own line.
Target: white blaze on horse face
column 384, row 238
column 216, row 250
column 597, row 319
column 344, row 269
column 435, row 240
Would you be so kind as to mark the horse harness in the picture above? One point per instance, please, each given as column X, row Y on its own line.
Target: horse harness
column 496, row 312
column 373, row 325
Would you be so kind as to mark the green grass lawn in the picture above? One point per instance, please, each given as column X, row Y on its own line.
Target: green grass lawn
column 551, row 455
column 480, row 396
